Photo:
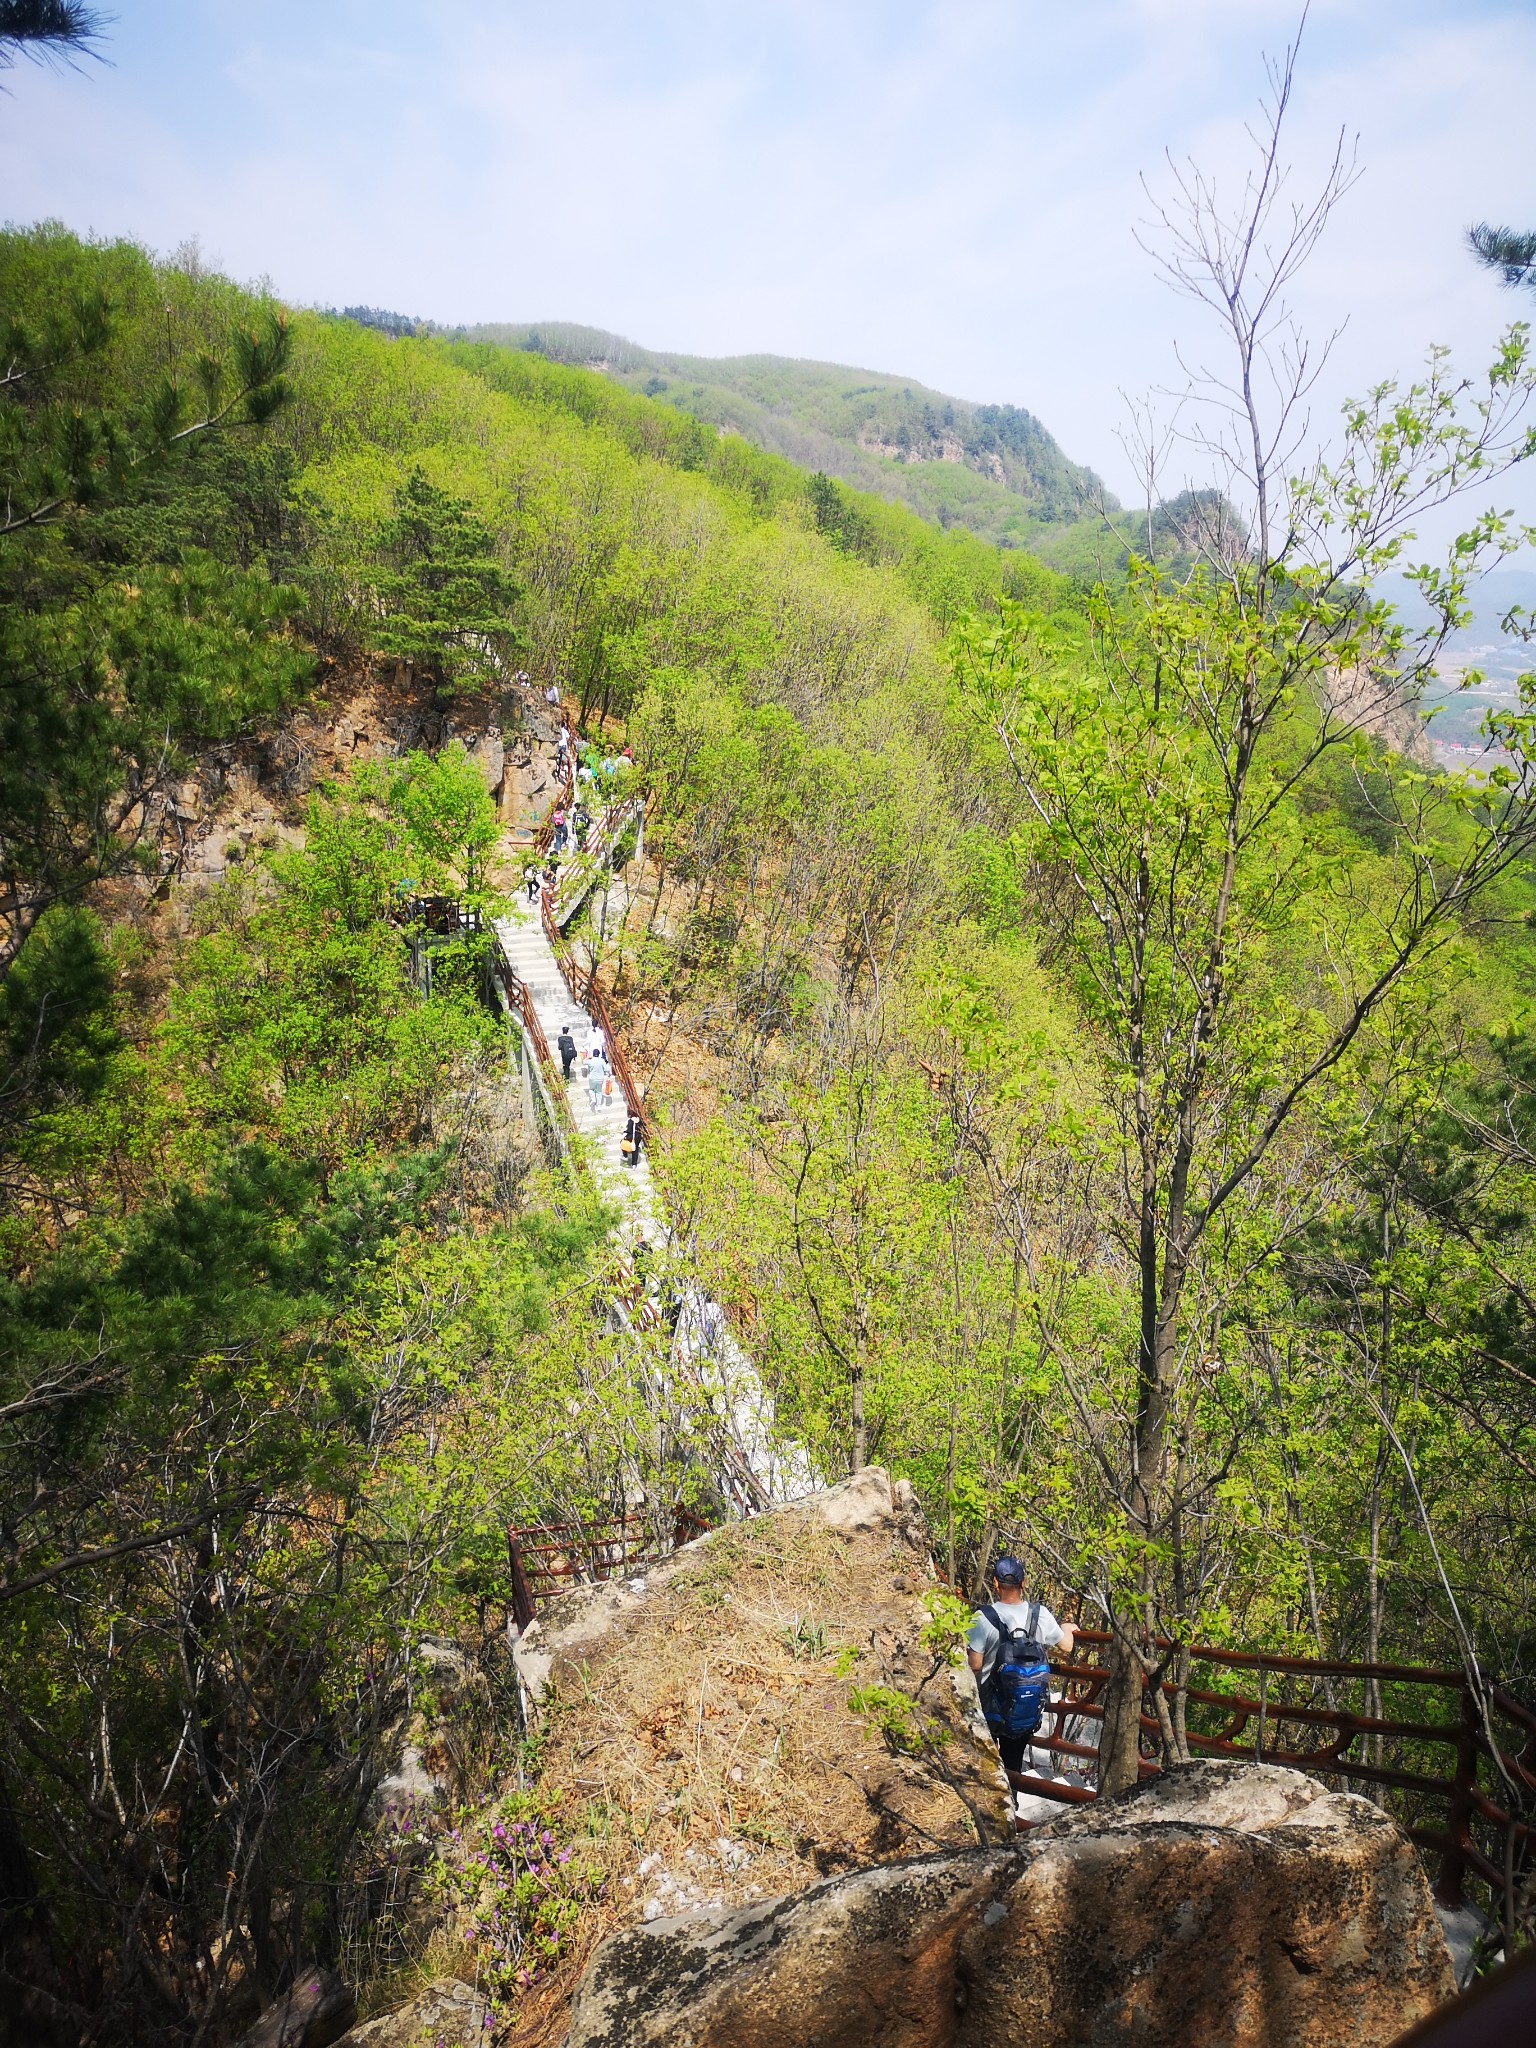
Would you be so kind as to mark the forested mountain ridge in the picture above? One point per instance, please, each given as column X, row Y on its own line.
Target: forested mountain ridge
column 294, row 1322
column 991, row 468
column 974, row 904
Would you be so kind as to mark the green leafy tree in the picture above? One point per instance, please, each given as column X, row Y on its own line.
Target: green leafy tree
column 1228, row 970
column 109, row 686
column 296, row 1022
column 105, row 701
column 837, row 515
column 57, row 1031
column 449, row 816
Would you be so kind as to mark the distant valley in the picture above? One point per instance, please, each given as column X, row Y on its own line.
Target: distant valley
column 1483, row 648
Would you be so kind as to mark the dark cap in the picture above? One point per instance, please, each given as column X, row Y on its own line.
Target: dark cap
column 1009, row 1570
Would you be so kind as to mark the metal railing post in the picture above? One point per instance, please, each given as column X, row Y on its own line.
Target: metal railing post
column 523, row 1610
column 1451, row 1876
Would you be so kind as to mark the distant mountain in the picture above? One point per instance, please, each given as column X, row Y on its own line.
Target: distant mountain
column 991, row 468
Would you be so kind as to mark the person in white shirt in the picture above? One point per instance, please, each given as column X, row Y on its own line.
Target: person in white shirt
column 982, row 1641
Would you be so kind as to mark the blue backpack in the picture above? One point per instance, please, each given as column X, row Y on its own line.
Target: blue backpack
column 1019, row 1685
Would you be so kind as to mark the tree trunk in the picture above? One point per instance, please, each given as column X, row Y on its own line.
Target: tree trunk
column 1162, row 1285
column 1120, row 1736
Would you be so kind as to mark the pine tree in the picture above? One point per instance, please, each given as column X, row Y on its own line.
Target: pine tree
column 442, row 594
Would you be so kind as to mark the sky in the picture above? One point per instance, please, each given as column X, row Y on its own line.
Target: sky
column 950, row 191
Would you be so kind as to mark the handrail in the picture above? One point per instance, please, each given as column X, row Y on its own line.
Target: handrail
column 544, row 837
column 519, row 999
column 582, row 869
column 1080, row 1700
column 1263, row 1660
column 582, row 982
column 607, row 1547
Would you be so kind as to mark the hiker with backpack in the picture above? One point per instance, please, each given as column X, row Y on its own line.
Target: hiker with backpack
column 1008, row 1647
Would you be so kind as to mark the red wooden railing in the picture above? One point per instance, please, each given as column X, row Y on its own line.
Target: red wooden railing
column 444, row 916
column 1443, row 1811
column 549, row 1558
column 582, row 982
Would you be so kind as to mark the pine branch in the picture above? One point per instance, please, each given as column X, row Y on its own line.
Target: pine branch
column 45, row 29
column 1508, row 250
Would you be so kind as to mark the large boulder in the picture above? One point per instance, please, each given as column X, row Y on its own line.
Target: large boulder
column 723, row 1680
column 1219, row 1903
column 449, row 2014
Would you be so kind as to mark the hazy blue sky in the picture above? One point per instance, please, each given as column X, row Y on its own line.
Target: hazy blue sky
column 946, row 190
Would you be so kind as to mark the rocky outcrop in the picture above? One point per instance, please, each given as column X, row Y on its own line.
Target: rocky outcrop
column 446, row 2015
column 251, row 792
column 1220, row 1903
column 755, row 1711
column 727, row 1678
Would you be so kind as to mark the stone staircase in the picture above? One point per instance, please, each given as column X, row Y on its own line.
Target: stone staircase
column 629, row 1189
column 757, row 1467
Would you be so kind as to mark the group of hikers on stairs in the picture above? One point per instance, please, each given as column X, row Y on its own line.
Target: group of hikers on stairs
column 604, row 1088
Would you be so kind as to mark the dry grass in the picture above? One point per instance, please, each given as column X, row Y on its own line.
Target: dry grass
column 703, row 1742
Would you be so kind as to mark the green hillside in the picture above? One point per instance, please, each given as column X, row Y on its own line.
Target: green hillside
column 1092, row 1076
column 991, row 468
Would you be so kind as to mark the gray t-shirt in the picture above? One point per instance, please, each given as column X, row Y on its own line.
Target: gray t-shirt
column 984, row 1637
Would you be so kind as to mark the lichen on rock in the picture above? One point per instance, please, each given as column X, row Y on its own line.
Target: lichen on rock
column 1230, row 1903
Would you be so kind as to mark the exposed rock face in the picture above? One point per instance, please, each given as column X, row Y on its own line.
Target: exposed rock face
column 315, row 2011
column 445, row 2015
column 707, row 1737
column 1223, row 1903
column 253, row 789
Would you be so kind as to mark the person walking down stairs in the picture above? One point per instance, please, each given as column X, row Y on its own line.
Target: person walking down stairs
column 565, row 1045
column 1008, row 1649
column 629, row 1149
